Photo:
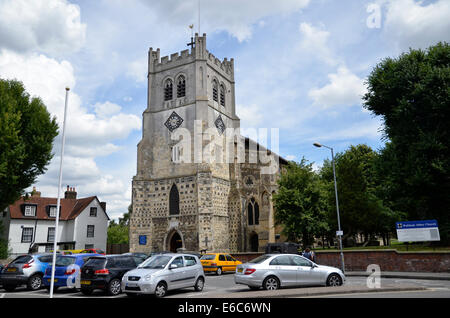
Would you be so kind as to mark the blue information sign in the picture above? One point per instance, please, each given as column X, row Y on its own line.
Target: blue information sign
column 142, row 239
column 417, row 231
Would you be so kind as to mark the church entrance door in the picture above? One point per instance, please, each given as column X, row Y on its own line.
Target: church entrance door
column 175, row 242
column 254, row 242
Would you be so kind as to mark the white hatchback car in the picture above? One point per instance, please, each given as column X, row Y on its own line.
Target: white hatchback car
column 164, row 272
column 272, row 271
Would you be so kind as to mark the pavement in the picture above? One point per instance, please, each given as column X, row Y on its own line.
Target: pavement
column 406, row 275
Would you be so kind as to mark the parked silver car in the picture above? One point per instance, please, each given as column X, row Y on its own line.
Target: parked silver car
column 161, row 273
column 272, row 271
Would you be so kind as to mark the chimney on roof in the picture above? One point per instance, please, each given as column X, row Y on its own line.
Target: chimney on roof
column 35, row 194
column 70, row 193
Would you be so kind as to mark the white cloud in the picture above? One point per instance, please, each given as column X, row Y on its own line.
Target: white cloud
column 138, row 70
column 51, row 26
column 315, row 41
column 344, row 88
column 106, row 109
column 410, row 23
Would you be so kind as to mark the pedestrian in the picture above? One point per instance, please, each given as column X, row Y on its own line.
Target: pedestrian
column 309, row 254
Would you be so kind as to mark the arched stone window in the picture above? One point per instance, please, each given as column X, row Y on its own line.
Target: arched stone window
column 222, row 95
column 253, row 212
column 181, row 86
column 168, row 90
column 215, row 87
column 174, row 201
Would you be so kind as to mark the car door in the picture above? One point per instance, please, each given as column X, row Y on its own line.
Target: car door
column 190, row 270
column 223, row 263
column 285, row 270
column 231, row 263
column 306, row 273
column 177, row 277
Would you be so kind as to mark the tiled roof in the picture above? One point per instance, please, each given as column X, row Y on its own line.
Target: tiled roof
column 70, row 208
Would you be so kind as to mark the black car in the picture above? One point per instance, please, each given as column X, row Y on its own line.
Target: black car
column 105, row 272
column 138, row 257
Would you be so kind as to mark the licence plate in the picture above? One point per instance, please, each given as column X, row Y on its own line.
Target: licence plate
column 85, row 282
column 240, row 270
column 12, row 269
column 131, row 285
column 55, row 280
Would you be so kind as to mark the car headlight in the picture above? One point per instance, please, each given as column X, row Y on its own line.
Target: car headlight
column 148, row 277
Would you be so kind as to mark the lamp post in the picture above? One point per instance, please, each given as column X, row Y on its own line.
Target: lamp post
column 339, row 234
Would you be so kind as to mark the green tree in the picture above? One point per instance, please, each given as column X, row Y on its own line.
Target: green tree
column 118, row 233
column 411, row 93
column 362, row 211
column 26, row 135
column 300, row 204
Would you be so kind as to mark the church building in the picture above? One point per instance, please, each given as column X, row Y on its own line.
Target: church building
column 199, row 184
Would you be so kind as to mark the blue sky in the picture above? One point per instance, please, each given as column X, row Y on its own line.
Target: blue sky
column 300, row 66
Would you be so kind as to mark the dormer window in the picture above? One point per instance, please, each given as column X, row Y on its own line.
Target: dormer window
column 181, row 86
column 222, row 95
column 215, row 88
column 52, row 211
column 168, row 90
column 29, row 210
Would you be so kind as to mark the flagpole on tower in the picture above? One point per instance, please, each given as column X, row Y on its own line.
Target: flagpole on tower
column 58, row 204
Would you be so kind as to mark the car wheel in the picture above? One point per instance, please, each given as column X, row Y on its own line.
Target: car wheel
column 334, row 280
column 34, row 282
column 161, row 290
column 219, row 271
column 86, row 291
column 271, row 283
column 114, row 287
column 199, row 284
column 9, row 288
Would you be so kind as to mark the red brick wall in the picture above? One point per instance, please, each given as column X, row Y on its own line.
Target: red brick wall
column 388, row 260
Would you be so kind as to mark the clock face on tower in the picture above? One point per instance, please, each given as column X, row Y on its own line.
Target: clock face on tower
column 173, row 122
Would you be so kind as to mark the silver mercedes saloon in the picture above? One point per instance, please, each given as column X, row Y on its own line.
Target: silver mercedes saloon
column 273, row 271
column 161, row 273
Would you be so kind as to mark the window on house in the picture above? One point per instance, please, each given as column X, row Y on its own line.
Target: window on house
column 27, row 235
column 181, row 86
column 222, row 95
column 93, row 212
column 52, row 211
column 88, row 246
column 215, row 91
column 51, row 234
column 30, row 210
column 168, row 90
column 90, row 230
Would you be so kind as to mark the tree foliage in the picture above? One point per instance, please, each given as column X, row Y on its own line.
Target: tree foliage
column 412, row 95
column 300, row 203
column 26, row 136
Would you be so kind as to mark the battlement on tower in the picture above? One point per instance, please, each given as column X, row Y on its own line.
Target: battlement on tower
column 157, row 63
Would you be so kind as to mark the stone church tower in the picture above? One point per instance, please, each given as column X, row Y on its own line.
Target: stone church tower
column 182, row 195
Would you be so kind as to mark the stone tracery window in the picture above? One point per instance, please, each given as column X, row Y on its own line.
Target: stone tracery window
column 253, row 212
column 181, row 86
column 168, row 90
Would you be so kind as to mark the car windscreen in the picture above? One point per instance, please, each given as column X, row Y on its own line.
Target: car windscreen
column 95, row 262
column 65, row 260
column 208, row 257
column 22, row 259
column 156, row 262
column 260, row 259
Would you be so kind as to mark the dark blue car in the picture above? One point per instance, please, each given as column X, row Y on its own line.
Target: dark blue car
column 67, row 271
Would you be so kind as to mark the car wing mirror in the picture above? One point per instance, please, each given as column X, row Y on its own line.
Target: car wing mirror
column 172, row 266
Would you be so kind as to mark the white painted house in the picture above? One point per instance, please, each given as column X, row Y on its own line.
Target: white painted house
column 29, row 224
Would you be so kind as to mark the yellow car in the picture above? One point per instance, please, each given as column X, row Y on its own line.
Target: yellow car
column 219, row 263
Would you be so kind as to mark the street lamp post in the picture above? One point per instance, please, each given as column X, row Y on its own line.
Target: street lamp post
column 337, row 203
